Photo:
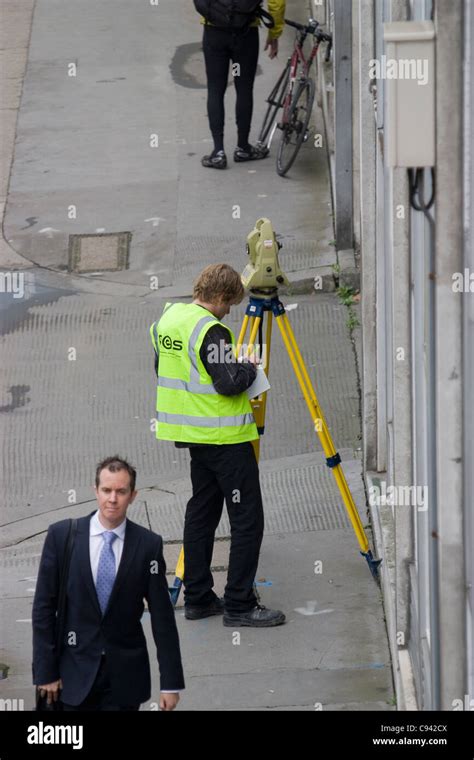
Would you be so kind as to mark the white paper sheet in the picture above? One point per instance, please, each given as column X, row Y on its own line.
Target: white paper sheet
column 259, row 385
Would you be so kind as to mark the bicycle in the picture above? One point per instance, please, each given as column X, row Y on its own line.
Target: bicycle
column 294, row 93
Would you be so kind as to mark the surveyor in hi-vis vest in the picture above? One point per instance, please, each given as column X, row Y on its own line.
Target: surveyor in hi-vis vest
column 202, row 405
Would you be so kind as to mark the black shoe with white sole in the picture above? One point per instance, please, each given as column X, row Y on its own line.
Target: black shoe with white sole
column 258, row 617
column 215, row 160
column 251, row 153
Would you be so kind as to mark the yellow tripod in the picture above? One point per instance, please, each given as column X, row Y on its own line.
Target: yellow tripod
column 261, row 277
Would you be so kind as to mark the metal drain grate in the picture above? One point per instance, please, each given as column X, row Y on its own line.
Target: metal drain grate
column 103, row 252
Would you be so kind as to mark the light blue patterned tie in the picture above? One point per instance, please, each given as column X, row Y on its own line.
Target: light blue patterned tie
column 106, row 569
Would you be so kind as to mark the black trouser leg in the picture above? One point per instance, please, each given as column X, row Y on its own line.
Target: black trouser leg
column 99, row 698
column 203, row 513
column 217, row 60
column 238, row 476
column 245, row 54
column 218, row 471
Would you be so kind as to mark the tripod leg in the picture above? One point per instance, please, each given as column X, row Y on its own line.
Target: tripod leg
column 178, row 581
column 268, row 345
column 321, row 428
column 254, row 325
column 243, row 333
column 259, row 404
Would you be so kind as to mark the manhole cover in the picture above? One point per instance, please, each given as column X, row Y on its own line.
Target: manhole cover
column 104, row 252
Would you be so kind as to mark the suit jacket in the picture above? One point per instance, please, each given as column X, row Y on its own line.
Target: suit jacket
column 87, row 633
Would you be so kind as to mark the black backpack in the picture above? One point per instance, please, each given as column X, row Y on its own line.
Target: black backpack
column 234, row 15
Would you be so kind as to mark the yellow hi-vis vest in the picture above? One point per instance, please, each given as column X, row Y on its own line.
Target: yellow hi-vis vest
column 188, row 408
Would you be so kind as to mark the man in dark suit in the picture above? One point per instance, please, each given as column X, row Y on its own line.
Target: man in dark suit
column 115, row 564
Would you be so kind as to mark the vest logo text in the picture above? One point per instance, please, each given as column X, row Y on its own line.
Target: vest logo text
column 166, row 342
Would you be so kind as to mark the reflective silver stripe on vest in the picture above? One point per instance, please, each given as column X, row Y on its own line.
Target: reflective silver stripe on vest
column 181, row 385
column 184, row 419
column 194, row 375
column 155, row 334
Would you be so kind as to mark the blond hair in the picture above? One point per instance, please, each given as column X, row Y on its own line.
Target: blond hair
column 219, row 282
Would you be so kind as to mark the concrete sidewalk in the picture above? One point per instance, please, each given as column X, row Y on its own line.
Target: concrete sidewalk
column 84, row 142
column 15, row 30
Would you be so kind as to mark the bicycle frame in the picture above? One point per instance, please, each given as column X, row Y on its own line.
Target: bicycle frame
column 285, row 94
column 298, row 60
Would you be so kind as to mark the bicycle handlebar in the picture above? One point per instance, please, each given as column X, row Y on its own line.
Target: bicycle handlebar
column 300, row 27
column 313, row 28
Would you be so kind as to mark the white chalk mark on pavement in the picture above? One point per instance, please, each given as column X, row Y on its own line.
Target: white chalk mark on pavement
column 49, row 231
column 155, row 220
column 310, row 609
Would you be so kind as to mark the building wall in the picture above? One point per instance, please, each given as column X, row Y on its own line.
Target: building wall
column 468, row 323
column 417, row 362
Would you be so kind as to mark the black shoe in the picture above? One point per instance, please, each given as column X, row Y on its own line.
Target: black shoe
column 215, row 160
column 197, row 612
column 259, row 617
column 252, row 153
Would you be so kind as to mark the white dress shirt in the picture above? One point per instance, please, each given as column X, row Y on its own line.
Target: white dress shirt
column 96, row 542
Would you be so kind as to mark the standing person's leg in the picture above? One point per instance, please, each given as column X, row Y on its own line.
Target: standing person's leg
column 217, row 58
column 237, row 473
column 245, row 54
column 202, row 517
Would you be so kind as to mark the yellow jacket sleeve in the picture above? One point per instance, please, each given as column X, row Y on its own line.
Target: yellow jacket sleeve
column 277, row 9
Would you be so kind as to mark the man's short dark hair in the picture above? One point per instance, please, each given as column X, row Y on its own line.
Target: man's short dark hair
column 115, row 464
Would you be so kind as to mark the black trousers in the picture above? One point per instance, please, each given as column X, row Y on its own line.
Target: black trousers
column 227, row 472
column 220, row 48
column 99, row 697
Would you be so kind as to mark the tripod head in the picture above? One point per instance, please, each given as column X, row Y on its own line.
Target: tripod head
column 262, row 275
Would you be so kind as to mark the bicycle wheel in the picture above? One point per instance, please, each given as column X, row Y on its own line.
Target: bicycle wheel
column 295, row 132
column 275, row 101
